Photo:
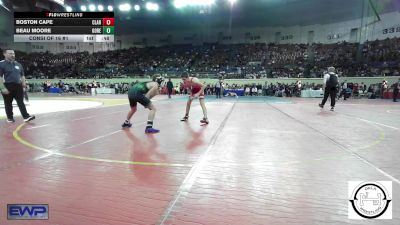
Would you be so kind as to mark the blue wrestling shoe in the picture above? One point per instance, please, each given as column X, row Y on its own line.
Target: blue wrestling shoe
column 151, row 130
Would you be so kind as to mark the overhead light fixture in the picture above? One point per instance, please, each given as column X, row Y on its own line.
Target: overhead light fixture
column 83, row 8
column 100, row 8
column 179, row 3
column 137, row 7
column 183, row 3
column 149, row 6
column 152, row 6
column 92, row 8
column 110, row 8
column 125, row 7
column 2, row 4
column 68, row 8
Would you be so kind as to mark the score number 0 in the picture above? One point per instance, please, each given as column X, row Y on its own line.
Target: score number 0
column 108, row 21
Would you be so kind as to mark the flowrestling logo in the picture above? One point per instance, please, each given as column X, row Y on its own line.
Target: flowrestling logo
column 370, row 200
column 27, row 212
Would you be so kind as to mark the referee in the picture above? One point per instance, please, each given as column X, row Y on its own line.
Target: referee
column 12, row 85
column 330, row 85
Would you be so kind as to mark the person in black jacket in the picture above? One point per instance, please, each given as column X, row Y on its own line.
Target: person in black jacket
column 330, row 83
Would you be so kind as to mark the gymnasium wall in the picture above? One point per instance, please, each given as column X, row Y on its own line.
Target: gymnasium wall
column 366, row 28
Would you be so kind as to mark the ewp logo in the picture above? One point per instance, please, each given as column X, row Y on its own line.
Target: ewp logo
column 27, row 212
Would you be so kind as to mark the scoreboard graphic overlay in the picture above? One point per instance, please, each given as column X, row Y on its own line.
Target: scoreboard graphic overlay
column 64, row 27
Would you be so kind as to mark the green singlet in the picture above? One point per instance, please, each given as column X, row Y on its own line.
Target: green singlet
column 139, row 88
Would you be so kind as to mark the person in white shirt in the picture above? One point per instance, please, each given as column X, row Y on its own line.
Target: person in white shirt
column 298, row 91
column 330, row 85
column 247, row 91
column 254, row 90
column 384, row 88
column 299, row 84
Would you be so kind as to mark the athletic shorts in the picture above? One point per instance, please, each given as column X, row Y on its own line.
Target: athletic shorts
column 196, row 91
column 135, row 98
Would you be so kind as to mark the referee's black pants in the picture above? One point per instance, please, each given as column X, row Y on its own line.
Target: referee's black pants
column 218, row 92
column 332, row 93
column 395, row 93
column 169, row 92
column 17, row 93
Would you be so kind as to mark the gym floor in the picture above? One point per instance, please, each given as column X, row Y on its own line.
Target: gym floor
column 259, row 161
